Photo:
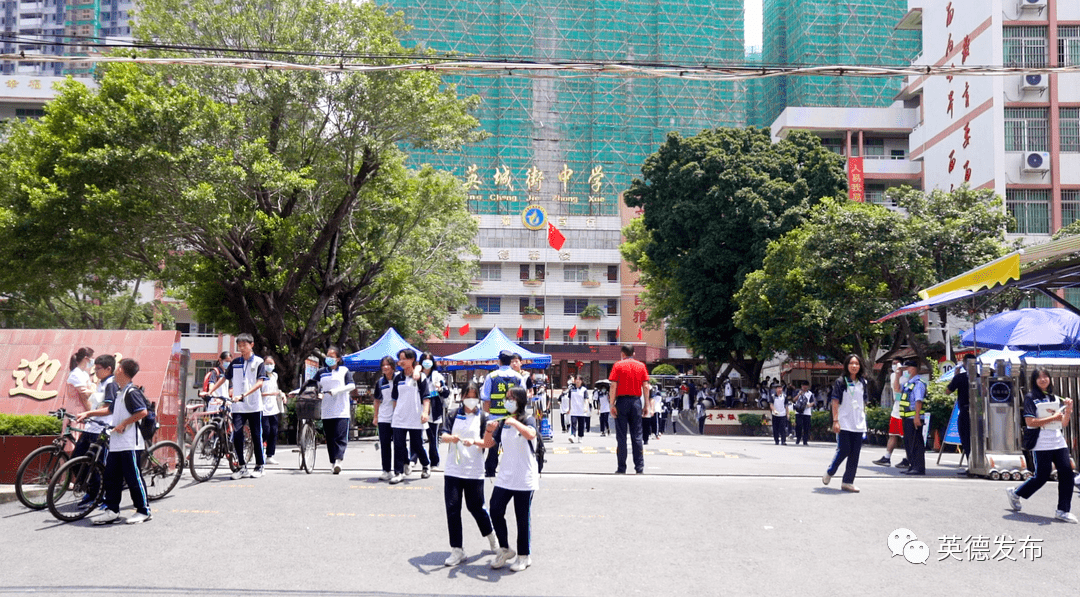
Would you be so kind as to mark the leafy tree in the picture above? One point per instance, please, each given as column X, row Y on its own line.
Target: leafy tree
column 824, row 282
column 712, row 204
column 275, row 202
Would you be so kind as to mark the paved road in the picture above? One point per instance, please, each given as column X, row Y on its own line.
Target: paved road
column 713, row 515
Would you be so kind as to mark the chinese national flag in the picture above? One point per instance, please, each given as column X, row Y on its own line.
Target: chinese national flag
column 555, row 238
column 547, row 333
column 618, row 332
column 573, row 332
column 465, row 330
column 446, row 332
column 520, row 332
column 597, row 333
column 638, row 333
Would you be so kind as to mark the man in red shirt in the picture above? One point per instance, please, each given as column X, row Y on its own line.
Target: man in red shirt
column 630, row 387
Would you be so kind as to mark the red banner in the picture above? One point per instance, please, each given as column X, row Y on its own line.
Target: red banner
column 855, row 180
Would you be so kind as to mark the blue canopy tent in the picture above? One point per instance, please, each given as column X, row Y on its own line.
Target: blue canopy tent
column 485, row 354
column 368, row 359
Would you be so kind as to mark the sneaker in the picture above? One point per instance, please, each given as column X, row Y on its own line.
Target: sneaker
column 408, row 469
column 904, row 464
column 397, row 479
column 108, row 517
column 883, row 461
column 337, row 467
column 523, row 562
column 826, row 478
column 258, row 472
column 1058, row 514
column 424, row 474
column 571, row 439
column 139, row 517
column 1014, row 500
column 385, row 476
column 457, row 556
column 504, row 556
column 271, row 460
column 493, row 542
column 240, row 474
column 849, row 487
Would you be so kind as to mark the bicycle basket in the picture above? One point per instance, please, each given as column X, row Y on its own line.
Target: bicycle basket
column 307, row 408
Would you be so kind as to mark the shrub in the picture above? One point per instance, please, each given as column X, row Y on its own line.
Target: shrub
column 365, row 414
column 821, row 426
column 29, row 425
column 592, row 311
column 877, row 420
column 665, row 369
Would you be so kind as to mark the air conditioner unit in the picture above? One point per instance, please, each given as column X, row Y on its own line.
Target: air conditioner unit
column 1040, row 4
column 1035, row 83
column 1036, row 161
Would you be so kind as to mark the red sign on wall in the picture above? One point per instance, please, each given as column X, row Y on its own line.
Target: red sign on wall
column 856, row 183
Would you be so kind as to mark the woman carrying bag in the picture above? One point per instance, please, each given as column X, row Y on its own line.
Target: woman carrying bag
column 1044, row 417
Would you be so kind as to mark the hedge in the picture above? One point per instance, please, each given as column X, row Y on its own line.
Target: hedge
column 29, row 425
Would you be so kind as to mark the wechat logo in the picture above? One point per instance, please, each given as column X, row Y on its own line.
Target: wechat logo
column 903, row 542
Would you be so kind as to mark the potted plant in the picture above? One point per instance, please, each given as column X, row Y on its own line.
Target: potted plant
column 532, row 282
column 751, row 424
column 531, row 312
column 591, row 312
column 472, row 312
column 590, row 283
column 20, row 435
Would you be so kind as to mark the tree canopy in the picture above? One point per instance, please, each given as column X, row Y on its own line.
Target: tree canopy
column 712, row 203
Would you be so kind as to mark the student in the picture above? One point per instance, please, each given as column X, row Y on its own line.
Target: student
column 246, row 375
column 271, row 409
column 579, row 410
column 213, row 377
column 125, row 443
column 335, row 384
column 518, row 477
column 778, row 404
column 492, row 394
column 464, row 475
column 384, row 410
column 605, row 411
column 802, row 417
column 97, row 419
column 848, row 400
column 1044, row 417
column 898, row 379
column 79, row 379
column 437, row 391
column 411, row 410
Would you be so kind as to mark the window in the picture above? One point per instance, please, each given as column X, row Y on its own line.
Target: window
column 612, row 337
column 1030, row 209
column 898, row 154
column 539, row 304
column 481, row 333
column 1025, row 46
column 1069, row 45
column 874, row 148
column 575, row 273
column 523, row 271
column 491, row 271
column 538, row 336
column 511, row 238
column 1070, row 206
column 540, row 271
column 195, row 329
column 1072, row 295
column 1070, row 130
column 612, row 273
column 582, row 337
column 834, row 145
column 29, row 112
column 201, row 369
column 522, row 304
column 574, row 306
column 1026, row 129
column 613, row 306
column 489, row 304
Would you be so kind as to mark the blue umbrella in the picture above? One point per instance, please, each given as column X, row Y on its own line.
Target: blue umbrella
column 1027, row 329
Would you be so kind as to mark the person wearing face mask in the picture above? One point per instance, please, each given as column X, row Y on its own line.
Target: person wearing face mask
column 579, row 410
column 271, row 409
column 384, row 410
column 898, row 378
column 493, row 395
column 437, row 391
column 246, row 375
column 214, row 397
column 79, row 378
column 335, row 384
column 411, row 410
column 464, row 475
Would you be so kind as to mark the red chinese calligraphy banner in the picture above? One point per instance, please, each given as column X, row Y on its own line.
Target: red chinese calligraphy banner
column 856, row 182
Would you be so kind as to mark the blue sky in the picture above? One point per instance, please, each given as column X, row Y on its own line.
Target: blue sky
column 753, row 22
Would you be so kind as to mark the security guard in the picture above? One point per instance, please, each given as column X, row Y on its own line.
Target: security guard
column 492, row 394
column 911, row 404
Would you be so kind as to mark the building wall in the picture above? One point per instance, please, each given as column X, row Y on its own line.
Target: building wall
column 60, row 28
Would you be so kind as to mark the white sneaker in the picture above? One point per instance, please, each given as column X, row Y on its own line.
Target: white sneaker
column 504, row 556
column 271, row 460
column 493, row 542
column 521, row 563
column 826, row 478
column 457, row 556
column 849, row 488
column 426, row 473
column 240, row 474
column 139, row 517
column 255, row 474
column 1014, row 500
column 337, row 467
column 1065, row 516
column 397, row 479
column 108, row 517
column 385, row 476
column 571, row 439
column 408, row 469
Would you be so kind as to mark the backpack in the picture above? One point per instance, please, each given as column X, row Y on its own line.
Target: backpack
column 538, row 450
column 800, row 404
column 206, row 378
column 149, row 424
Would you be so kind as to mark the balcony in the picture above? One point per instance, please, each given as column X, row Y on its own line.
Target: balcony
column 891, row 167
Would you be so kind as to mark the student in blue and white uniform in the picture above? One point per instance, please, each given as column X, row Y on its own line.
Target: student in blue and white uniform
column 465, row 428
column 271, row 409
column 437, row 390
column 335, row 385
column 579, row 409
column 411, row 412
column 245, row 375
column 125, row 443
column 848, row 401
column 384, row 411
column 518, row 477
column 99, row 417
column 1044, row 417
column 493, row 394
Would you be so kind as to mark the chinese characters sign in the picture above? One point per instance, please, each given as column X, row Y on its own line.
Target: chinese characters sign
column 503, row 187
column 856, row 183
column 31, row 377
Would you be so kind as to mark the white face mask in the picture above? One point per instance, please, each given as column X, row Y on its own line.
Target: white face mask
column 905, row 376
column 511, row 406
column 471, row 403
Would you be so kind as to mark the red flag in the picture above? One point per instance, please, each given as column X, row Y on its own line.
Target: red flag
column 420, row 333
column 547, row 333
column 555, row 238
column 573, row 332
column 465, row 330
column 446, row 332
column 520, row 332
column 638, row 333
column 618, row 331
column 597, row 333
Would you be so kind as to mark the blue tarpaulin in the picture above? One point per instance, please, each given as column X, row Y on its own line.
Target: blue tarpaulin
column 485, row 354
column 368, row 359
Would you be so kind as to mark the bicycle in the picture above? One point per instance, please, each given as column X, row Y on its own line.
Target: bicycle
column 39, row 466
column 308, row 410
column 78, row 486
column 214, row 442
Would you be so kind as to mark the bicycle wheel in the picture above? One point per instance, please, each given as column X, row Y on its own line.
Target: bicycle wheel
column 32, row 478
column 162, row 466
column 249, row 446
column 307, row 447
column 206, row 452
column 76, row 489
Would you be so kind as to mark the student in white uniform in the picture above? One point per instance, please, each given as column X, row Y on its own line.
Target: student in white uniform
column 848, row 402
column 518, row 477
column 579, row 409
column 271, row 409
column 1044, row 417
column 464, row 474
column 246, row 375
column 125, row 443
column 99, row 417
column 437, row 392
column 80, row 365
column 384, row 410
column 411, row 411
column 335, row 384
column 605, row 411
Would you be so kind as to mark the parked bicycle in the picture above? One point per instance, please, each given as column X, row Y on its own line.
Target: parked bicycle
column 214, row 442
column 308, row 412
column 77, row 487
column 39, row 466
